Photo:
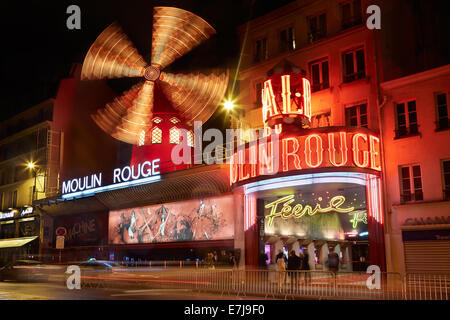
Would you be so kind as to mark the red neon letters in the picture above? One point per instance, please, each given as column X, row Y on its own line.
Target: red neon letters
column 317, row 150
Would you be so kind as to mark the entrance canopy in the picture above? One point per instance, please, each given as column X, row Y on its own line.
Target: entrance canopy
column 15, row 242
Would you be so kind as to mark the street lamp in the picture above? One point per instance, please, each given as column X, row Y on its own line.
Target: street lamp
column 32, row 166
column 229, row 105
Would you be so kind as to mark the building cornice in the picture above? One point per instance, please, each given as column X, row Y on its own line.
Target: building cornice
column 417, row 77
column 25, row 132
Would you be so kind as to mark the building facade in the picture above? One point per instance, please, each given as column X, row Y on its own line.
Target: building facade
column 416, row 135
column 29, row 171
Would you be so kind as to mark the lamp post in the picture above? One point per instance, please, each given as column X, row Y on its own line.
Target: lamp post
column 33, row 168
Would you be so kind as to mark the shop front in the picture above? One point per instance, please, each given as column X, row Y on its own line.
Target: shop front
column 19, row 234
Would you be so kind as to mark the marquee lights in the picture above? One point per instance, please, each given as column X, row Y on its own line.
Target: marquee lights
column 298, row 211
column 317, row 150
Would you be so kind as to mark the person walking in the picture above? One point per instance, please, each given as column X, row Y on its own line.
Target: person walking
column 293, row 266
column 263, row 260
column 304, row 257
column 333, row 261
column 281, row 270
column 333, row 264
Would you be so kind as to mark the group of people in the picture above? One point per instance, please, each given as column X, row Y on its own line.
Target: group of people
column 213, row 260
column 292, row 263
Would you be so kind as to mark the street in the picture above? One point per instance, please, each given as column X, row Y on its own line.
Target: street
column 48, row 291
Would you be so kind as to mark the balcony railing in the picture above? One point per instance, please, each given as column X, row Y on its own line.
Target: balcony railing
column 411, row 197
column 446, row 192
column 403, row 132
column 355, row 76
column 316, row 35
column 320, row 86
column 351, row 22
column 442, row 124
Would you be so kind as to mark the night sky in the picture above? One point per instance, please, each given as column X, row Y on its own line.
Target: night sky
column 38, row 49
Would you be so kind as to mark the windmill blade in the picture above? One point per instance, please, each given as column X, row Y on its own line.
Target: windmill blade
column 195, row 96
column 112, row 55
column 176, row 32
column 128, row 118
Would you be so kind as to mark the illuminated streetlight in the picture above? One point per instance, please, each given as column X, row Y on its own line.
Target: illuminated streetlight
column 30, row 165
column 229, row 105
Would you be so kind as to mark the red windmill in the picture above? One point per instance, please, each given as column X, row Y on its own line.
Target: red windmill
column 151, row 114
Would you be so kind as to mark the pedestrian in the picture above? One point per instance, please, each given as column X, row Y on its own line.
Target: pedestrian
column 304, row 265
column 231, row 260
column 263, row 260
column 215, row 258
column 280, row 255
column 293, row 265
column 281, row 271
column 333, row 261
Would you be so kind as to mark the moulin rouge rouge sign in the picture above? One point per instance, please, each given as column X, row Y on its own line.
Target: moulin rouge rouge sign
column 332, row 147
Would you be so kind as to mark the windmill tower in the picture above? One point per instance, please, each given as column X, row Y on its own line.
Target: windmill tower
column 150, row 115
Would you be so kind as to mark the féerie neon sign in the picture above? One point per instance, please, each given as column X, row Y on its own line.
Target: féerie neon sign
column 287, row 211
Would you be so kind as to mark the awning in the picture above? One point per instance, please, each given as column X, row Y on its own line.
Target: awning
column 15, row 242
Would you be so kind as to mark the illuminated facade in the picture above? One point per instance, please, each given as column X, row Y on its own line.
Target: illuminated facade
column 328, row 178
column 417, row 165
column 29, row 171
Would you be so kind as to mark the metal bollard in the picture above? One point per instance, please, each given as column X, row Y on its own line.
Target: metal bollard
column 196, row 264
column 165, row 264
column 181, row 264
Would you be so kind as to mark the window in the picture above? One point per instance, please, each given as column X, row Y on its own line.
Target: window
column 14, row 199
column 351, row 14
column 190, row 138
column 406, row 119
column 287, row 39
column 320, row 120
column 157, row 120
column 260, row 50
column 410, row 184
column 174, row 120
column 141, row 140
column 156, row 135
column 446, row 178
column 174, row 135
column 354, row 65
column 319, row 75
column 356, row 116
column 442, row 111
column 258, row 92
column 317, row 27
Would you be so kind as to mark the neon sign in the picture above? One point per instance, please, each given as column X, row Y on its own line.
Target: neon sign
column 287, row 211
column 310, row 151
column 124, row 177
column 293, row 105
column 358, row 216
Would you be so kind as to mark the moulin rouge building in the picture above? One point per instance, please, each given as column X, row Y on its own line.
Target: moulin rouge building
column 306, row 74
column 303, row 187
